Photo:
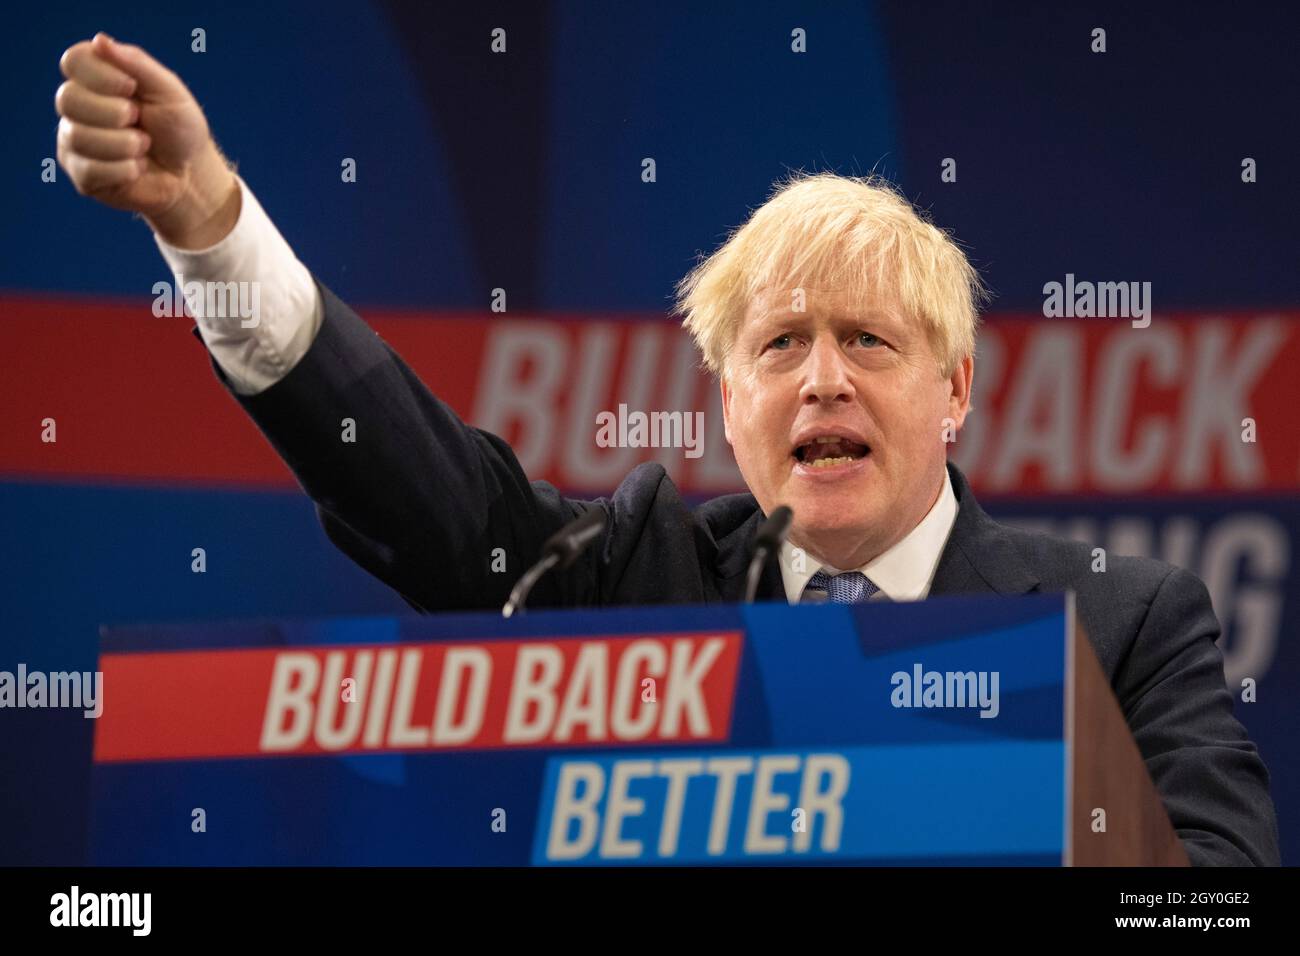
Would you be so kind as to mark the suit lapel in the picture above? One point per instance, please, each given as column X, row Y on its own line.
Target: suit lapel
column 978, row 558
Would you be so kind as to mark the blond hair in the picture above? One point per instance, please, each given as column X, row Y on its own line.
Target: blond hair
column 830, row 231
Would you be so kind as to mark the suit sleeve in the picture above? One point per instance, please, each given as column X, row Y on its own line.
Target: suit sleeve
column 1210, row 775
column 418, row 498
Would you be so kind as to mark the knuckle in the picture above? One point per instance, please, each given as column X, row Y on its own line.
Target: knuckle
column 62, row 95
column 76, row 168
column 73, row 56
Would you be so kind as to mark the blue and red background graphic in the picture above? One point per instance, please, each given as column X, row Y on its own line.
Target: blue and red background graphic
column 522, row 172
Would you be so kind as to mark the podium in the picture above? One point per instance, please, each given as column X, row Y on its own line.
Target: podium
column 953, row 731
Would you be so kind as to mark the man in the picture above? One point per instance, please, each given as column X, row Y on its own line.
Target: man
column 842, row 328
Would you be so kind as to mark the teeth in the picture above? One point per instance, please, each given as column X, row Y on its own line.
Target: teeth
column 828, row 462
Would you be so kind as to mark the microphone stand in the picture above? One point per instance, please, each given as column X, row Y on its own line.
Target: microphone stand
column 768, row 539
column 560, row 550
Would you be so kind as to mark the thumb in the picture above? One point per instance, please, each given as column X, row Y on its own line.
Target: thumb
column 153, row 80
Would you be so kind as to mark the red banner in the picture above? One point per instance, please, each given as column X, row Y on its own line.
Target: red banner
column 1190, row 404
column 486, row 695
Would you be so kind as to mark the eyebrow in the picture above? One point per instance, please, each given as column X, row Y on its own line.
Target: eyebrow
column 785, row 317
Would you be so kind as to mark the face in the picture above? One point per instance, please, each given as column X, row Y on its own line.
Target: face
column 838, row 411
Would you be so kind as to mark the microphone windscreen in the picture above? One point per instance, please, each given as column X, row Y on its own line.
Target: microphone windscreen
column 772, row 531
column 574, row 538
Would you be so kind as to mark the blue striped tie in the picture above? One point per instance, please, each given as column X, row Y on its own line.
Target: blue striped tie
column 851, row 587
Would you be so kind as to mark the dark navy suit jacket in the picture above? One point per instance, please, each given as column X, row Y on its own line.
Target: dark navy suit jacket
column 423, row 501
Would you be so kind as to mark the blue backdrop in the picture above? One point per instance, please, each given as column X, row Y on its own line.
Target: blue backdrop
column 477, row 172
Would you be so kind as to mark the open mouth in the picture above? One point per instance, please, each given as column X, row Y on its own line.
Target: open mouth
column 828, row 451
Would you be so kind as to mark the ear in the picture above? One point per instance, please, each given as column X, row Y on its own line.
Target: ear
column 726, row 406
column 963, row 377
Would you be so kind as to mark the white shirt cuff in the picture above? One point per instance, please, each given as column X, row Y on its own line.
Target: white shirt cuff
column 256, row 306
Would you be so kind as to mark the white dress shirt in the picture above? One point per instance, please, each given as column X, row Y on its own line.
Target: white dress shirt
column 289, row 306
column 903, row 573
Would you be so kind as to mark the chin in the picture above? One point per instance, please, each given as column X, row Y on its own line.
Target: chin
column 828, row 509
column 826, row 524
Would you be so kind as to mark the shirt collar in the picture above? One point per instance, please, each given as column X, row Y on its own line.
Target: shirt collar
column 903, row 573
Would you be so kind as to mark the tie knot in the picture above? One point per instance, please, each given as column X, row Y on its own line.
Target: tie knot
column 851, row 587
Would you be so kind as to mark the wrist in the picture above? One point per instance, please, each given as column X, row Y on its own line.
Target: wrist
column 206, row 211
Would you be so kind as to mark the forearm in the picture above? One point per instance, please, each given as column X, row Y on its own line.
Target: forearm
column 404, row 486
column 206, row 210
column 255, row 352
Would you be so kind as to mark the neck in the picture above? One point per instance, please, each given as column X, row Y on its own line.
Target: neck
column 847, row 550
column 827, row 551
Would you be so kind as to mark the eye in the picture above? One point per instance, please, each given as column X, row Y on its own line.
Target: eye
column 781, row 342
column 867, row 340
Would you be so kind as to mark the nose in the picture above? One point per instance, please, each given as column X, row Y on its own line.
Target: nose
column 826, row 376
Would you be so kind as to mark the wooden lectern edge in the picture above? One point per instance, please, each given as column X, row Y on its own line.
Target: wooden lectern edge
column 1104, row 769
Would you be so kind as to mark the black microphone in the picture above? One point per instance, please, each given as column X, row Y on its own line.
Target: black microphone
column 768, row 539
column 560, row 550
